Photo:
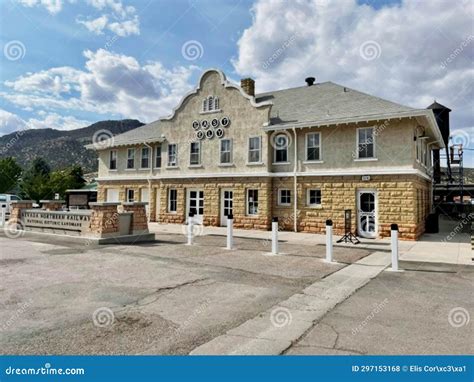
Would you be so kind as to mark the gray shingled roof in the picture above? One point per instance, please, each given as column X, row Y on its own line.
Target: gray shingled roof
column 319, row 103
column 326, row 101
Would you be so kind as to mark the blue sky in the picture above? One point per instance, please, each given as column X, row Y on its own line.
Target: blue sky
column 68, row 63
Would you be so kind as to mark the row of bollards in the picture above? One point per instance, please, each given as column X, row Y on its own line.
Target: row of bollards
column 329, row 238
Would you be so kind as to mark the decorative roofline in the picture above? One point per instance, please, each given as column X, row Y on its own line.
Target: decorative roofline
column 225, row 83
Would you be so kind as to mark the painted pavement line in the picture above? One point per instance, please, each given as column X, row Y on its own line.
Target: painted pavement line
column 273, row 331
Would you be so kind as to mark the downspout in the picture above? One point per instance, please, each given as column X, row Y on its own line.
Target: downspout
column 149, row 181
column 295, row 167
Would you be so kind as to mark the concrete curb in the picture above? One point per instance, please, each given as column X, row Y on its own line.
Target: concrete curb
column 273, row 331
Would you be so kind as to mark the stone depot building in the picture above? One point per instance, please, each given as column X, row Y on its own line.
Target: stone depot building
column 303, row 155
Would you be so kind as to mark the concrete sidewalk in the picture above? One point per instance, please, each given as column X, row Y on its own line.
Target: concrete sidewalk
column 274, row 330
column 434, row 248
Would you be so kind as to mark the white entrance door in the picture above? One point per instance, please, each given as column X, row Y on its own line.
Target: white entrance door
column 195, row 203
column 112, row 195
column 367, row 213
column 145, row 197
column 227, row 201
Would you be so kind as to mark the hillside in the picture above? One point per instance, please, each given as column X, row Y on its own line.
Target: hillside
column 60, row 148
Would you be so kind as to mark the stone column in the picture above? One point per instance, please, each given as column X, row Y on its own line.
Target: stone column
column 139, row 219
column 52, row 205
column 104, row 219
column 16, row 207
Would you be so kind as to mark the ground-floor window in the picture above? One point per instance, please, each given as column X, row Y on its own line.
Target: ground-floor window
column 172, row 200
column 284, row 197
column 313, row 197
column 252, row 202
column 130, row 195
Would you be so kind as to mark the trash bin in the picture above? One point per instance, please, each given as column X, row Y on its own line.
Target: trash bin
column 432, row 223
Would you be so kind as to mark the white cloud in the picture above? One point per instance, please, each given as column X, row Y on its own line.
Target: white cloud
column 52, row 6
column 96, row 25
column 410, row 53
column 10, row 122
column 110, row 83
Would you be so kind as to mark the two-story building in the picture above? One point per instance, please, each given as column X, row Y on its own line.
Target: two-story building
column 303, row 155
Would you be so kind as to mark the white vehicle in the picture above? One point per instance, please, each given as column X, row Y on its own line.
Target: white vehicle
column 5, row 201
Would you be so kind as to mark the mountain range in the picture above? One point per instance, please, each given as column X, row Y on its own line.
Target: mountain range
column 61, row 148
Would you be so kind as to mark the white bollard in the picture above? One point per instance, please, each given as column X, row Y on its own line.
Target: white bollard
column 3, row 216
column 230, row 231
column 329, row 241
column 394, row 238
column 190, row 228
column 275, row 236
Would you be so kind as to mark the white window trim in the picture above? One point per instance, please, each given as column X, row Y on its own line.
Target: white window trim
column 169, row 201
column 154, row 157
column 306, row 160
column 127, row 196
column 199, row 164
column 141, row 157
column 275, row 163
column 231, row 152
column 374, row 141
column 116, row 160
column 279, row 203
column 168, row 156
column 260, row 150
column 247, row 202
column 134, row 159
column 313, row 205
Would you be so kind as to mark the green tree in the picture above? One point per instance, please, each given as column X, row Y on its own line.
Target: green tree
column 36, row 183
column 69, row 178
column 10, row 173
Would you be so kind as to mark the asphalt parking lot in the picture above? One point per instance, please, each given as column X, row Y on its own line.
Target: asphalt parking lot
column 170, row 298
column 166, row 297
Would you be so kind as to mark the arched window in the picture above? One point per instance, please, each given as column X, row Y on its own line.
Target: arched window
column 210, row 103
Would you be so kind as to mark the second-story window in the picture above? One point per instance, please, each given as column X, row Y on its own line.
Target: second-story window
column 172, row 155
column 210, row 103
column 313, row 146
column 255, row 148
column 226, row 151
column 195, row 153
column 365, row 142
column 113, row 160
column 158, row 156
column 280, row 148
column 145, row 158
column 130, row 158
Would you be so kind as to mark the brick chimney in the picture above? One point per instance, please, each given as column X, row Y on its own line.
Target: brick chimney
column 248, row 86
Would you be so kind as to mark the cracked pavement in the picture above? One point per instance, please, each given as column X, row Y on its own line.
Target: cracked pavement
column 169, row 298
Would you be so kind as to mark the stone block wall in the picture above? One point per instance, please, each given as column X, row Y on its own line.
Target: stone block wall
column 401, row 199
column 16, row 207
column 139, row 218
column 104, row 219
